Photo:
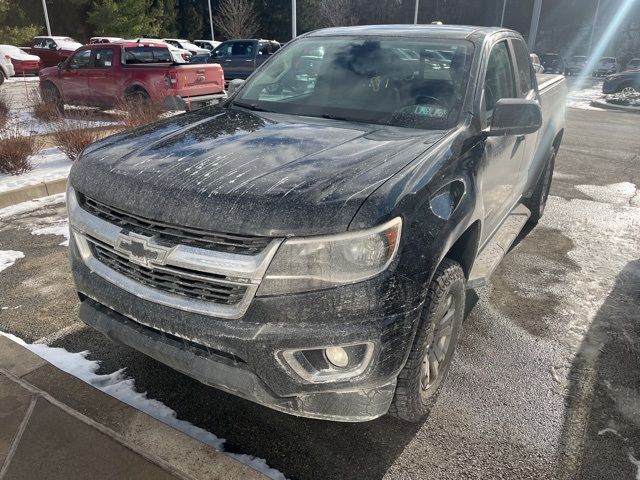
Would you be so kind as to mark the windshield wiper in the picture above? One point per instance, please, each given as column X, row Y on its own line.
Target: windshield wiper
column 250, row 106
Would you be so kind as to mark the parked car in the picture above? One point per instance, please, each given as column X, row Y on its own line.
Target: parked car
column 311, row 252
column 552, row 63
column 103, row 75
column 627, row 82
column 23, row 62
column 207, row 44
column 576, row 65
column 240, row 58
column 633, row 64
column 535, row 62
column 605, row 66
column 53, row 50
column 6, row 67
column 185, row 45
column 105, row 39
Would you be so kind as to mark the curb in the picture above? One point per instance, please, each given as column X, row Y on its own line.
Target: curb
column 609, row 106
column 31, row 192
column 173, row 451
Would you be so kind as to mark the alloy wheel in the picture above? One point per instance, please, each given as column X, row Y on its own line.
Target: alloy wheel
column 439, row 346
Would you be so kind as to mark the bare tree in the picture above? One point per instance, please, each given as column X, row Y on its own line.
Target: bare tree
column 237, row 19
column 338, row 13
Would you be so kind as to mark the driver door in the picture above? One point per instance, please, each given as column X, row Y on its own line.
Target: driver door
column 74, row 76
column 500, row 170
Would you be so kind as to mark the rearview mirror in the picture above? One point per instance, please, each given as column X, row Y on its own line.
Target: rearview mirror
column 515, row 116
column 234, row 85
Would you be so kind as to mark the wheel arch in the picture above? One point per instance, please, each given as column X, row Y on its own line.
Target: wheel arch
column 465, row 248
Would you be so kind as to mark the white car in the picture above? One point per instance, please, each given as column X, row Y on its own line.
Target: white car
column 6, row 67
column 105, row 39
column 179, row 55
column 208, row 44
column 186, row 45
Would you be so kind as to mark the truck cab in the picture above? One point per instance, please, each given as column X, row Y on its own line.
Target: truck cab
column 239, row 58
column 53, row 50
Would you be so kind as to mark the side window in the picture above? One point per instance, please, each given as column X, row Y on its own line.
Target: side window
column 263, row 49
column 523, row 60
column 82, row 59
column 39, row 43
column 223, row 50
column 242, row 49
column 498, row 81
column 103, row 58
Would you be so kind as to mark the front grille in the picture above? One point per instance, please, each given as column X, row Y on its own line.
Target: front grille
column 173, row 234
column 179, row 281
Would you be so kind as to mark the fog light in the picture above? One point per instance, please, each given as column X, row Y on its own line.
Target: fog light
column 337, row 356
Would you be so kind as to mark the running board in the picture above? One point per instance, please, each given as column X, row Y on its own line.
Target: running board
column 493, row 253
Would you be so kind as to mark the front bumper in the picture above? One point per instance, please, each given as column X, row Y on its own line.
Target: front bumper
column 240, row 356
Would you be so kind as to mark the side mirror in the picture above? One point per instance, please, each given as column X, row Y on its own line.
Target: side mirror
column 515, row 116
column 53, row 47
column 234, row 85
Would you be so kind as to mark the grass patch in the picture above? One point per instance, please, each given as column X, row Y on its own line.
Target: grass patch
column 5, row 110
column 73, row 139
column 136, row 113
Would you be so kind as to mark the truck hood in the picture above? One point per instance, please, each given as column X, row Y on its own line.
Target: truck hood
column 235, row 171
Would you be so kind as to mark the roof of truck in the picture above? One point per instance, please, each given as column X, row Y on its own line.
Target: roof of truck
column 455, row 32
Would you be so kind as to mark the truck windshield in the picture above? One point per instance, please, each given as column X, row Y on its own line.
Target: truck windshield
column 403, row 82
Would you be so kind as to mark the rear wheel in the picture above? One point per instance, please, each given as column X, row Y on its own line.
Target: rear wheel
column 628, row 89
column 538, row 200
column 422, row 377
column 138, row 96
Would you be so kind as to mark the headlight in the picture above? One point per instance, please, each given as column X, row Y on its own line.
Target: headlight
column 303, row 264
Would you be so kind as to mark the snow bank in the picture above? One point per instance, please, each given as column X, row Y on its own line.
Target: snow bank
column 61, row 228
column 31, row 205
column 49, row 164
column 118, row 385
column 8, row 258
column 24, row 123
column 582, row 98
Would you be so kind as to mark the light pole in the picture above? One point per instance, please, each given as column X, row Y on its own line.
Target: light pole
column 504, row 8
column 211, row 21
column 415, row 13
column 593, row 27
column 294, row 33
column 46, row 16
column 535, row 21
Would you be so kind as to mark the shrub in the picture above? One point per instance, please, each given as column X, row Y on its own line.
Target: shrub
column 136, row 113
column 72, row 139
column 43, row 111
column 15, row 151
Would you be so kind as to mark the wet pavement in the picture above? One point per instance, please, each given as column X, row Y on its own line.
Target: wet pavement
column 546, row 381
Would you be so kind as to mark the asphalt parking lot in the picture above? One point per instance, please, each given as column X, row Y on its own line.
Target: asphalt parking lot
column 546, row 381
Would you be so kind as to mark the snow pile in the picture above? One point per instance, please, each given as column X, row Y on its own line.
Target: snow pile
column 118, row 385
column 24, row 123
column 8, row 258
column 583, row 97
column 60, row 228
column 31, row 205
column 49, row 164
column 623, row 193
column 22, row 79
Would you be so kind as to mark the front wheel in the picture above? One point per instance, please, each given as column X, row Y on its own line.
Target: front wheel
column 51, row 95
column 422, row 377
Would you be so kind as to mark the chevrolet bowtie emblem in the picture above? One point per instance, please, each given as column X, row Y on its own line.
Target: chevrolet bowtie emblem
column 140, row 250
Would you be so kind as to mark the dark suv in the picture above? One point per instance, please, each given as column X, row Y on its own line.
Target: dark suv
column 239, row 58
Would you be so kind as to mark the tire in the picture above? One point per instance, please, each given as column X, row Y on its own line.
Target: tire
column 51, row 95
column 538, row 200
column 138, row 95
column 432, row 350
column 628, row 89
column 1, row 77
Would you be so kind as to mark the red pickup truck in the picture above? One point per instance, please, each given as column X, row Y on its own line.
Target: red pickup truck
column 103, row 75
column 53, row 50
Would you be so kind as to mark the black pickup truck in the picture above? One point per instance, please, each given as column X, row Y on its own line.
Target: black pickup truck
column 308, row 243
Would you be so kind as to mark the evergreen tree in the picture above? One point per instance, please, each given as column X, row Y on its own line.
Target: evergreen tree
column 126, row 18
column 13, row 30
